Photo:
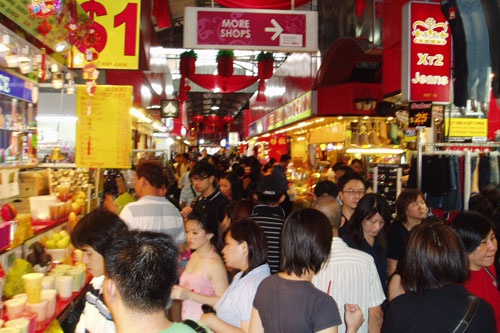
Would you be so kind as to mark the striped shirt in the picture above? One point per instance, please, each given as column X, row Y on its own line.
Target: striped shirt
column 95, row 316
column 351, row 277
column 151, row 213
column 271, row 220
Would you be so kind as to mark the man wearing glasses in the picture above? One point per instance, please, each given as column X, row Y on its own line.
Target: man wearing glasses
column 351, row 189
column 210, row 200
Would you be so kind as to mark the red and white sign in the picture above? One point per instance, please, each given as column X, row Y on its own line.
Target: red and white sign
column 426, row 50
column 250, row 29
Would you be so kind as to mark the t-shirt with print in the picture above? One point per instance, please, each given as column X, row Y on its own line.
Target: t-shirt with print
column 294, row 306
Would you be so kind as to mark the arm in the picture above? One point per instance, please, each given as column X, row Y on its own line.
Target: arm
column 255, row 322
column 392, row 264
column 353, row 317
column 218, row 325
column 184, row 294
column 395, row 287
column 375, row 319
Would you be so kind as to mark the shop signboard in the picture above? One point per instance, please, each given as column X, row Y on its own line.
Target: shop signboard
column 118, row 25
column 104, row 135
column 420, row 114
column 18, row 88
column 426, row 52
column 233, row 138
column 170, row 108
column 466, row 129
column 250, row 29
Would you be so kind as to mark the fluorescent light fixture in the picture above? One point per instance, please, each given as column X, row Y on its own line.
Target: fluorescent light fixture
column 157, row 126
column 57, row 118
column 214, row 107
column 157, row 88
column 374, row 151
column 139, row 115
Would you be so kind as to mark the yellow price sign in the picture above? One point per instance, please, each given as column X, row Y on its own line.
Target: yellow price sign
column 116, row 24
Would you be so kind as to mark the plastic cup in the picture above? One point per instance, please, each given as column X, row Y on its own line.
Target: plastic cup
column 48, row 282
column 75, row 273
column 63, row 190
column 64, row 286
column 10, row 330
column 54, row 211
column 78, row 255
column 32, row 320
column 14, row 307
column 24, row 296
column 33, row 287
column 49, row 295
column 21, row 323
column 41, row 310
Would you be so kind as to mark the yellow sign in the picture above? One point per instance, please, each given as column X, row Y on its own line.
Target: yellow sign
column 104, row 127
column 116, row 25
column 467, row 128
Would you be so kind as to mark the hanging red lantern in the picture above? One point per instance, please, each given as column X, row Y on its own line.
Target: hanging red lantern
column 225, row 61
column 187, row 65
column 265, row 67
column 198, row 119
column 228, row 120
column 213, row 121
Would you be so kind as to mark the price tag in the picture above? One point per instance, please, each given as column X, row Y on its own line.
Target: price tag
column 420, row 114
column 117, row 23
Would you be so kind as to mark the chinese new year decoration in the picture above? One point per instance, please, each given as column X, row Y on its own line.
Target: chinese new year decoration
column 198, row 119
column 228, row 120
column 225, row 59
column 265, row 68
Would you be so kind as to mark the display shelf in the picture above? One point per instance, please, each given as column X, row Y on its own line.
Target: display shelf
column 18, row 166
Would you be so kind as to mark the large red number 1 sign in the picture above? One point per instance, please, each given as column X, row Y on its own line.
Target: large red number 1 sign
column 118, row 25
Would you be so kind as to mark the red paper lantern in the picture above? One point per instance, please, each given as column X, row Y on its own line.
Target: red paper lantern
column 187, row 66
column 228, row 119
column 265, row 68
column 213, row 121
column 225, row 66
column 198, row 118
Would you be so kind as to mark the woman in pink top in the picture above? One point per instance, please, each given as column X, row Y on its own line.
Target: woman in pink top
column 205, row 279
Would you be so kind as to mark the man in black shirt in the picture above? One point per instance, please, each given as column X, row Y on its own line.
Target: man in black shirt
column 270, row 216
column 211, row 200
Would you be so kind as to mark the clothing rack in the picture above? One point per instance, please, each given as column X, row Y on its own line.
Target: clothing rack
column 467, row 163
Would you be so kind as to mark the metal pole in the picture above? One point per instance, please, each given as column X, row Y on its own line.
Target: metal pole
column 293, row 4
column 419, row 161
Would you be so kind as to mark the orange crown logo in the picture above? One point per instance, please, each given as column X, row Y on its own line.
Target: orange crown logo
column 430, row 32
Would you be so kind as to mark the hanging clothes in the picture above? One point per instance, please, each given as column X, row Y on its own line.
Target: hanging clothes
column 436, row 179
column 451, row 200
column 484, row 171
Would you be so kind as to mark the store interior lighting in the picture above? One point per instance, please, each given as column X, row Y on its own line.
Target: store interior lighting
column 374, row 151
column 160, row 128
column 139, row 115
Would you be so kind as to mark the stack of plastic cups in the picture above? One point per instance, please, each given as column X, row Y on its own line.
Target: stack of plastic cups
column 33, row 288
column 64, row 287
column 22, row 324
column 14, row 307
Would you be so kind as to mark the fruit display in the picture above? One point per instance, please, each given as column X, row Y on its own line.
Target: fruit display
column 8, row 212
column 14, row 283
column 73, row 220
column 78, row 180
column 39, row 256
column 58, row 240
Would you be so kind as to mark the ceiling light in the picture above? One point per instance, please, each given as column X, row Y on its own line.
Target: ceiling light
column 202, row 141
column 141, row 116
column 214, row 107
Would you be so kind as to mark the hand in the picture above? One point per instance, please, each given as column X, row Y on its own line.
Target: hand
column 186, row 211
column 353, row 317
column 110, row 204
column 179, row 293
column 208, row 319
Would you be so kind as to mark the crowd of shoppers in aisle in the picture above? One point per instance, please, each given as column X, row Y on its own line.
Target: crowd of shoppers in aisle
column 241, row 259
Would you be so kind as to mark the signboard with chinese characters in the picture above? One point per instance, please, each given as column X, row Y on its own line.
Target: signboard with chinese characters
column 250, row 29
column 103, row 134
column 117, row 25
column 466, row 129
column 426, row 52
column 420, row 114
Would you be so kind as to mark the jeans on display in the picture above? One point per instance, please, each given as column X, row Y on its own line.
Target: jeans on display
column 453, row 199
column 452, row 14
column 492, row 13
column 484, row 171
column 436, row 175
column 495, row 177
column 478, row 49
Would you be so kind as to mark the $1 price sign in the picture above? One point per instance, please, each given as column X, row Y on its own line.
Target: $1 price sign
column 117, row 23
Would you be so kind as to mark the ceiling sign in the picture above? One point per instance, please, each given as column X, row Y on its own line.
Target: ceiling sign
column 426, row 52
column 250, row 29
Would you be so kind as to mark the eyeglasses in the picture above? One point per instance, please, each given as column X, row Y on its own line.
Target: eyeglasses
column 354, row 192
column 198, row 179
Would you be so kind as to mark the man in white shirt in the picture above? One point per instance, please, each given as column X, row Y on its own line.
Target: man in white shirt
column 349, row 275
column 153, row 212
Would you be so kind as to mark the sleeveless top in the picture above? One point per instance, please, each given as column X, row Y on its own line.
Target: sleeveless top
column 199, row 284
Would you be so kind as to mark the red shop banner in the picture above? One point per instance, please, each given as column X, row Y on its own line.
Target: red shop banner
column 426, row 52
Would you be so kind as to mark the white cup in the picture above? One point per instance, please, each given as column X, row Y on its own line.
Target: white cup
column 21, row 323
column 14, row 307
column 64, row 286
column 10, row 330
column 40, row 309
column 48, row 282
column 49, row 295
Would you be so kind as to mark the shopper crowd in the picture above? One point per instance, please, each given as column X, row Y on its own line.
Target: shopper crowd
column 217, row 246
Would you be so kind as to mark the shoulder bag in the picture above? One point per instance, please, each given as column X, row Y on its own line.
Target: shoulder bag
column 472, row 305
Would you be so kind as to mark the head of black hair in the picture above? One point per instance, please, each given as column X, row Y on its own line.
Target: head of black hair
column 153, row 172
column 203, row 169
column 209, row 224
column 351, row 175
column 326, row 187
column 472, row 228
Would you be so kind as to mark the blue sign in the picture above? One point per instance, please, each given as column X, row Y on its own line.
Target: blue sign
column 16, row 87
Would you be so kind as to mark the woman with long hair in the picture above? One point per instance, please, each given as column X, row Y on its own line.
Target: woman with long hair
column 411, row 209
column 365, row 231
column 231, row 187
column 205, row 279
column 245, row 251
column 433, row 264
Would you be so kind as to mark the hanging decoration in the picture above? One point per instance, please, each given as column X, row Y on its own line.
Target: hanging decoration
column 198, row 119
column 44, row 28
column 228, row 120
column 225, row 59
column 90, row 73
column 43, row 9
column 213, row 121
column 265, row 68
column 43, row 66
column 187, row 68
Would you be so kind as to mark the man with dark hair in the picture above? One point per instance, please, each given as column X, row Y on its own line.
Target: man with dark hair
column 270, row 216
column 279, row 171
column 141, row 268
column 356, row 165
column 211, row 200
column 354, row 272
column 326, row 187
column 352, row 188
column 153, row 212
column 341, row 171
